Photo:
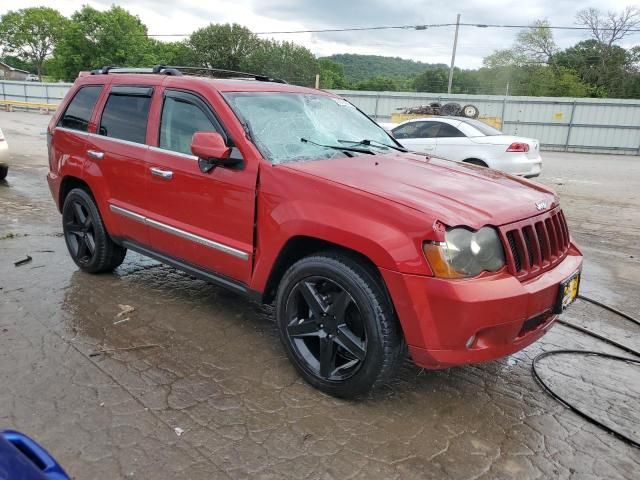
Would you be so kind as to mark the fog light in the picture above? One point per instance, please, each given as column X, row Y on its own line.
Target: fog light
column 471, row 341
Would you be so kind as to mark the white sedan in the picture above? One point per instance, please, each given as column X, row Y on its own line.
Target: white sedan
column 4, row 157
column 471, row 141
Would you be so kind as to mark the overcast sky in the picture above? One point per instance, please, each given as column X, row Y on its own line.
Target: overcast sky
column 432, row 45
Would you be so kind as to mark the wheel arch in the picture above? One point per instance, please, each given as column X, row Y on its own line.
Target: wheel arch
column 473, row 160
column 68, row 183
column 300, row 246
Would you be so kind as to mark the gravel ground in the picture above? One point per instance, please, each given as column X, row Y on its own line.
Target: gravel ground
column 216, row 397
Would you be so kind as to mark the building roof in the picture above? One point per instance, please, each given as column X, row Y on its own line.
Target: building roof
column 13, row 69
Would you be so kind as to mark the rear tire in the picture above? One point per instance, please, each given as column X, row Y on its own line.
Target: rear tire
column 4, row 170
column 470, row 111
column 87, row 239
column 337, row 325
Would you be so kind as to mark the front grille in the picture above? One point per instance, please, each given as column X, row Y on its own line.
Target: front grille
column 536, row 244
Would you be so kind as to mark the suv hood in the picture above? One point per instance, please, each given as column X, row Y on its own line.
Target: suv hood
column 454, row 193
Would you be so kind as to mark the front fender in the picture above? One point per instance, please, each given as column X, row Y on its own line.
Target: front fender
column 388, row 244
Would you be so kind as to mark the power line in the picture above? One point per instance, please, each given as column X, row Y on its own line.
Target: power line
column 402, row 27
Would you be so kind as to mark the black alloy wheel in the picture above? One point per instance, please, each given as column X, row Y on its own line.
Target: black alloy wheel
column 87, row 239
column 79, row 233
column 326, row 329
column 337, row 324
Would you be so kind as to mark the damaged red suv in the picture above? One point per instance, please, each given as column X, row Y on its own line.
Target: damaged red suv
column 292, row 195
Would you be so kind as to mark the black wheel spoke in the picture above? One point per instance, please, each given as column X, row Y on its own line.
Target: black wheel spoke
column 74, row 228
column 79, row 214
column 88, row 223
column 350, row 342
column 313, row 299
column 90, row 242
column 339, row 304
column 306, row 328
column 327, row 357
column 82, row 248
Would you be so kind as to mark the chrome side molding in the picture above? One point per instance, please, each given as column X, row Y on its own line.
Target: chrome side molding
column 179, row 233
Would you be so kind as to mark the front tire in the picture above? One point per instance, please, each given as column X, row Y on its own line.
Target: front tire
column 89, row 244
column 337, row 325
column 4, row 170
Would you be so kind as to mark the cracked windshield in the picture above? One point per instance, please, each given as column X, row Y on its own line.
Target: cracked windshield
column 289, row 127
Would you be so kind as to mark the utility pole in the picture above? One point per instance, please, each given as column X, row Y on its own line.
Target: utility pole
column 453, row 54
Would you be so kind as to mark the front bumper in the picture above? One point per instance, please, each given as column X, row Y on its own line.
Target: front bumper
column 455, row 322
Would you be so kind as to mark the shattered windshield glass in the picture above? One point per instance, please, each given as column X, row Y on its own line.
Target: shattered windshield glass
column 277, row 123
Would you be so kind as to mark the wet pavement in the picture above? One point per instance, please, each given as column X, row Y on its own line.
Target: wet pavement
column 149, row 373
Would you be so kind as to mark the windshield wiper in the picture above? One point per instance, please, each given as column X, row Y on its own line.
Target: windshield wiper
column 373, row 143
column 338, row 147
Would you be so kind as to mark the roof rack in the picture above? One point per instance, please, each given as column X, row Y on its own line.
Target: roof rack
column 157, row 69
column 196, row 71
column 223, row 73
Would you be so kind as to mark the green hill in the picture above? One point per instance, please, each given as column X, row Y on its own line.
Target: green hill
column 361, row 67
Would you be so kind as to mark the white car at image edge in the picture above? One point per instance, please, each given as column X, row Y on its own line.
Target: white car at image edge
column 4, row 156
column 471, row 141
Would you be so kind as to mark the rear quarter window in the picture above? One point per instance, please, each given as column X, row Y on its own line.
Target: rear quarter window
column 78, row 112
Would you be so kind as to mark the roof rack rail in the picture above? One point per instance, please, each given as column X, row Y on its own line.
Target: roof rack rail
column 157, row 69
column 179, row 71
column 228, row 74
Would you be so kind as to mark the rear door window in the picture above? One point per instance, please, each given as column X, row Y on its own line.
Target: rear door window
column 449, row 131
column 78, row 113
column 417, row 130
column 126, row 114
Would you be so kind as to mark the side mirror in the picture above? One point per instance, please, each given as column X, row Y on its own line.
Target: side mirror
column 211, row 151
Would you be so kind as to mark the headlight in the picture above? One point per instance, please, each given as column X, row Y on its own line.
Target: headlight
column 465, row 253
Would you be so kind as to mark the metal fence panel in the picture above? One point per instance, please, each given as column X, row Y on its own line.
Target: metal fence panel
column 568, row 124
column 33, row 91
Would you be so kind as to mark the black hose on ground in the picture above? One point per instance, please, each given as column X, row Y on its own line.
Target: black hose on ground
column 611, row 309
column 569, row 405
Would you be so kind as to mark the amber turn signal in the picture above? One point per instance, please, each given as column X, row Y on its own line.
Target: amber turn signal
column 436, row 257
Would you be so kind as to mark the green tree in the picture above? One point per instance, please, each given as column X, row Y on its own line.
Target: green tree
column 31, row 34
column 18, row 62
column 331, row 74
column 608, row 72
column 170, row 53
column 536, row 43
column 223, row 46
column 434, row 80
column 285, row 60
column 378, row 84
column 96, row 38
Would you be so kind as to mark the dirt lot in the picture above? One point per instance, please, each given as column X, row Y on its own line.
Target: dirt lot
column 216, row 398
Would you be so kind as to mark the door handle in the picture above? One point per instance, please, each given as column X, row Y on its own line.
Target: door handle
column 95, row 154
column 158, row 172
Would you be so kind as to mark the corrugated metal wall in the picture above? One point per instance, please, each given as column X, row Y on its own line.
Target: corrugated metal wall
column 33, row 91
column 566, row 124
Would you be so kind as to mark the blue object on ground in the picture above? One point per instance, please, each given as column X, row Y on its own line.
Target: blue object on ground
column 23, row 459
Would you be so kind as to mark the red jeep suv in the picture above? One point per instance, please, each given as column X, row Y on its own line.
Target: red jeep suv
column 293, row 195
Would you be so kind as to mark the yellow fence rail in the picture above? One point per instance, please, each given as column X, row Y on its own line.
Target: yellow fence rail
column 9, row 105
